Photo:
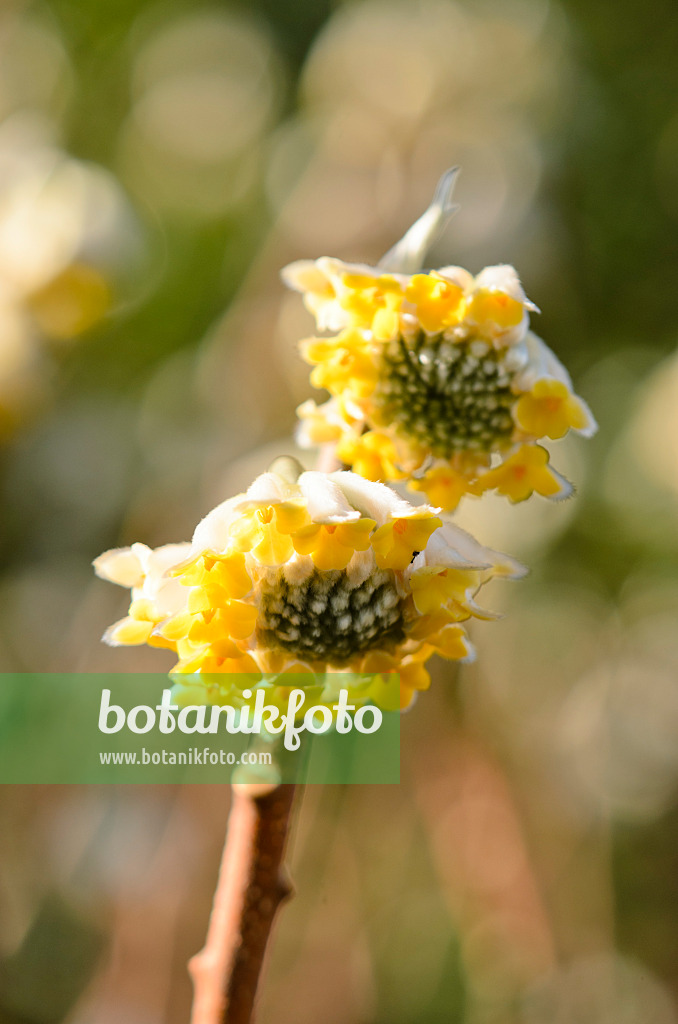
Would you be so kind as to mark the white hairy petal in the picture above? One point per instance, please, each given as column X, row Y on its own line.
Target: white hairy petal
column 325, row 500
column 458, row 276
column 541, row 363
column 213, row 532
column 375, row 501
column 120, row 565
column 503, row 278
column 452, row 546
column 304, row 276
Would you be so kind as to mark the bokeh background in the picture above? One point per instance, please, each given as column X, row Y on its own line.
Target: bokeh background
column 159, row 162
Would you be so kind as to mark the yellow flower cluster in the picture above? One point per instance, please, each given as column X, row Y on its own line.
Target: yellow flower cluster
column 65, row 229
column 308, row 573
column 436, row 379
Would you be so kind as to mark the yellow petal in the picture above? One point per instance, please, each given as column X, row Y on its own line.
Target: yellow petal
column 550, row 410
column 128, row 632
column 246, row 531
column 395, row 542
column 385, row 689
column 452, row 643
column 443, row 486
column 175, row 628
column 329, row 553
column 426, row 625
column 192, row 573
column 495, row 307
column 306, row 540
column 291, row 516
column 413, row 676
column 215, row 631
column 359, row 282
column 144, row 609
column 330, row 545
column 356, row 535
column 206, row 598
column 317, row 350
column 523, row 473
column 372, row 455
column 274, row 548
column 438, row 302
column 243, row 664
column 230, row 573
column 386, row 324
column 317, row 428
column 240, row 619
column 155, row 640
column 431, row 590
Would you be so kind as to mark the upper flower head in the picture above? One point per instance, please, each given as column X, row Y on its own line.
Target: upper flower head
column 432, row 374
column 491, row 306
column 318, row 573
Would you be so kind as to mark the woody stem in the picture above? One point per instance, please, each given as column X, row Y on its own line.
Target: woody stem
column 252, row 884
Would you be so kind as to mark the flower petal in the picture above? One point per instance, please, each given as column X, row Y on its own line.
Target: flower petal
column 121, row 566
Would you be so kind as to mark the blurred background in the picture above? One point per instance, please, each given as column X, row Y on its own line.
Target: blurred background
column 159, row 162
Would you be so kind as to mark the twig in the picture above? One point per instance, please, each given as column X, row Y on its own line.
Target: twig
column 252, row 884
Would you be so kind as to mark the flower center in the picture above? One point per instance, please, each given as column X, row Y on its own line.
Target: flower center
column 329, row 618
column 449, row 397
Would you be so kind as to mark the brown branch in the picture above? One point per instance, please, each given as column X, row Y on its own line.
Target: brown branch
column 252, row 884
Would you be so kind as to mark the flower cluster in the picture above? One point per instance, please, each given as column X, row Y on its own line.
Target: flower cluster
column 309, row 573
column 436, row 379
column 65, row 231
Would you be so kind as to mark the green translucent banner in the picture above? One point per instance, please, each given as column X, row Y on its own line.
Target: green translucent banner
column 143, row 728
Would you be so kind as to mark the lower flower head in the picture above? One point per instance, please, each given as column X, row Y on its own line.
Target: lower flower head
column 309, row 572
